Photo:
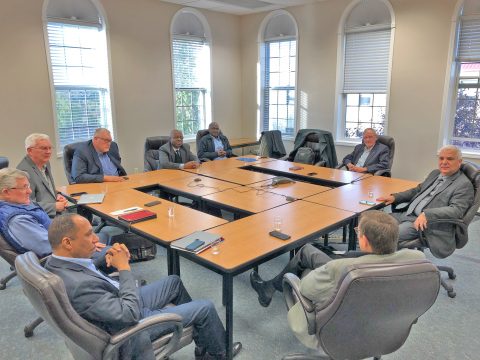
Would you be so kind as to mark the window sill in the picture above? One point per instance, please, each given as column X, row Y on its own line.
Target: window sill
column 347, row 143
column 471, row 155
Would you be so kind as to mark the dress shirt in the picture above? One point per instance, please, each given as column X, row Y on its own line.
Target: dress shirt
column 88, row 263
column 416, row 207
column 364, row 156
column 27, row 231
column 178, row 157
column 218, row 146
column 108, row 166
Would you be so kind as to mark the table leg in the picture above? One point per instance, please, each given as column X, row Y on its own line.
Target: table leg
column 228, row 302
column 173, row 265
column 352, row 240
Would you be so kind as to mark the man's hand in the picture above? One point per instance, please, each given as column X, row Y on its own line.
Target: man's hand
column 118, row 256
column 387, row 199
column 356, row 168
column 350, row 166
column 99, row 246
column 191, row 165
column 60, row 206
column 421, row 222
column 110, row 178
column 221, row 153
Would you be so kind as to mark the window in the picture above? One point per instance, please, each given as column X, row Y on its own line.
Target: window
column 278, row 80
column 365, row 44
column 465, row 124
column 79, row 72
column 191, row 72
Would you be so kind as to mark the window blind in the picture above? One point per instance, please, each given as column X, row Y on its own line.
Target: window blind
column 80, row 76
column 189, row 63
column 469, row 40
column 366, row 61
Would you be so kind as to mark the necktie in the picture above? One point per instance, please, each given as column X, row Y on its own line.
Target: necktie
column 178, row 157
column 419, row 203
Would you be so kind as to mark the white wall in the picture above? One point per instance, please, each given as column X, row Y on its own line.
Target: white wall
column 142, row 81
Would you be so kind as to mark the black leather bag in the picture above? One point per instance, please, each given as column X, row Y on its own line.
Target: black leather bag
column 140, row 248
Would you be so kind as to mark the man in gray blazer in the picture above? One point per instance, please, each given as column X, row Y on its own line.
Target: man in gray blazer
column 215, row 145
column 114, row 305
column 37, row 165
column 175, row 154
column 446, row 193
column 377, row 238
column 369, row 156
column 98, row 160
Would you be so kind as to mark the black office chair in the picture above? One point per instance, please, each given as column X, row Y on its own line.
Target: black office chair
column 322, row 144
column 151, row 154
column 48, row 296
column 68, row 151
column 390, row 143
column 271, row 144
column 3, row 162
column 8, row 253
column 372, row 311
column 472, row 172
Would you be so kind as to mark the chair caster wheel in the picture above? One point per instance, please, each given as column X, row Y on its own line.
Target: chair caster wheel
column 452, row 294
column 452, row 276
column 3, row 286
column 28, row 333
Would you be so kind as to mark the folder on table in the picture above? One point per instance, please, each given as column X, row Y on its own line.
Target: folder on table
column 209, row 240
column 91, row 199
column 137, row 216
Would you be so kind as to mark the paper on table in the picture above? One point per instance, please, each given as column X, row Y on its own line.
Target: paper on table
column 125, row 211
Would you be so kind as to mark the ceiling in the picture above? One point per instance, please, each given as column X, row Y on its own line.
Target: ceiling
column 241, row 7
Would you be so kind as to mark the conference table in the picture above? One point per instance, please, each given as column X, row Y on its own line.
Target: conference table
column 318, row 201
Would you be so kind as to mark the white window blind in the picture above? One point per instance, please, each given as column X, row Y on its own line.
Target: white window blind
column 189, row 62
column 469, row 40
column 366, row 61
column 79, row 68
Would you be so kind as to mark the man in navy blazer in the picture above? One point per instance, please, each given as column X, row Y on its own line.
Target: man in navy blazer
column 114, row 305
column 369, row 156
column 215, row 145
column 98, row 160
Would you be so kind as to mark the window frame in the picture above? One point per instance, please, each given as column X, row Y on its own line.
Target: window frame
column 261, row 74
column 103, row 26
column 207, row 92
column 341, row 96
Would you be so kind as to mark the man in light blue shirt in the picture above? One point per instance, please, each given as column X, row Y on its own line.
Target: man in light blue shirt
column 215, row 145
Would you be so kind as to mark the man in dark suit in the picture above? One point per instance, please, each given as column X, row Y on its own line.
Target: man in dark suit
column 37, row 165
column 175, row 154
column 369, row 156
column 215, row 145
column 98, row 160
column 446, row 193
column 114, row 305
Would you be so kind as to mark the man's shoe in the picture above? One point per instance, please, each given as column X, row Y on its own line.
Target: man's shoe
column 200, row 354
column 265, row 292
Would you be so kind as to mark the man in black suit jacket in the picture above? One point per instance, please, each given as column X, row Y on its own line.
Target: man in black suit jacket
column 369, row 156
column 214, row 145
column 98, row 160
column 114, row 305
column 37, row 165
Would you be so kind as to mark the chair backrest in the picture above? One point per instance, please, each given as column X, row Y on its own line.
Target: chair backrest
column 48, row 296
column 7, row 252
column 321, row 142
column 151, row 154
column 200, row 134
column 3, row 162
column 390, row 142
column 375, row 307
column 68, row 151
column 271, row 144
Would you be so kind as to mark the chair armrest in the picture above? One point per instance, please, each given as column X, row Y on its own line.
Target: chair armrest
column 384, row 172
column 322, row 163
column 291, row 291
column 340, row 166
column 165, row 319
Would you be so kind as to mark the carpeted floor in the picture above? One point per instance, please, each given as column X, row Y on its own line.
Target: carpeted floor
column 448, row 331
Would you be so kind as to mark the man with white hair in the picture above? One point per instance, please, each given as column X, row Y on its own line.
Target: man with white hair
column 36, row 164
column 446, row 193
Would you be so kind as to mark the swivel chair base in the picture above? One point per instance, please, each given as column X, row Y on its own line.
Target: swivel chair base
column 28, row 329
column 313, row 357
column 6, row 279
column 451, row 275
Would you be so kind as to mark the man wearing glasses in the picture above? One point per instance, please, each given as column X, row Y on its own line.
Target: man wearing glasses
column 377, row 238
column 36, row 164
column 98, row 160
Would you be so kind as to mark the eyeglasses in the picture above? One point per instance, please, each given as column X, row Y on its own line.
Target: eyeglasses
column 357, row 230
column 43, row 148
column 105, row 140
column 24, row 187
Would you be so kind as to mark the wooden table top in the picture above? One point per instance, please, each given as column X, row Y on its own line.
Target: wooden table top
column 204, row 186
column 163, row 228
column 240, row 142
column 247, row 199
column 134, row 181
column 235, row 175
column 209, row 167
column 312, row 171
column 347, row 197
column 297, row 189
column 247, row 239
